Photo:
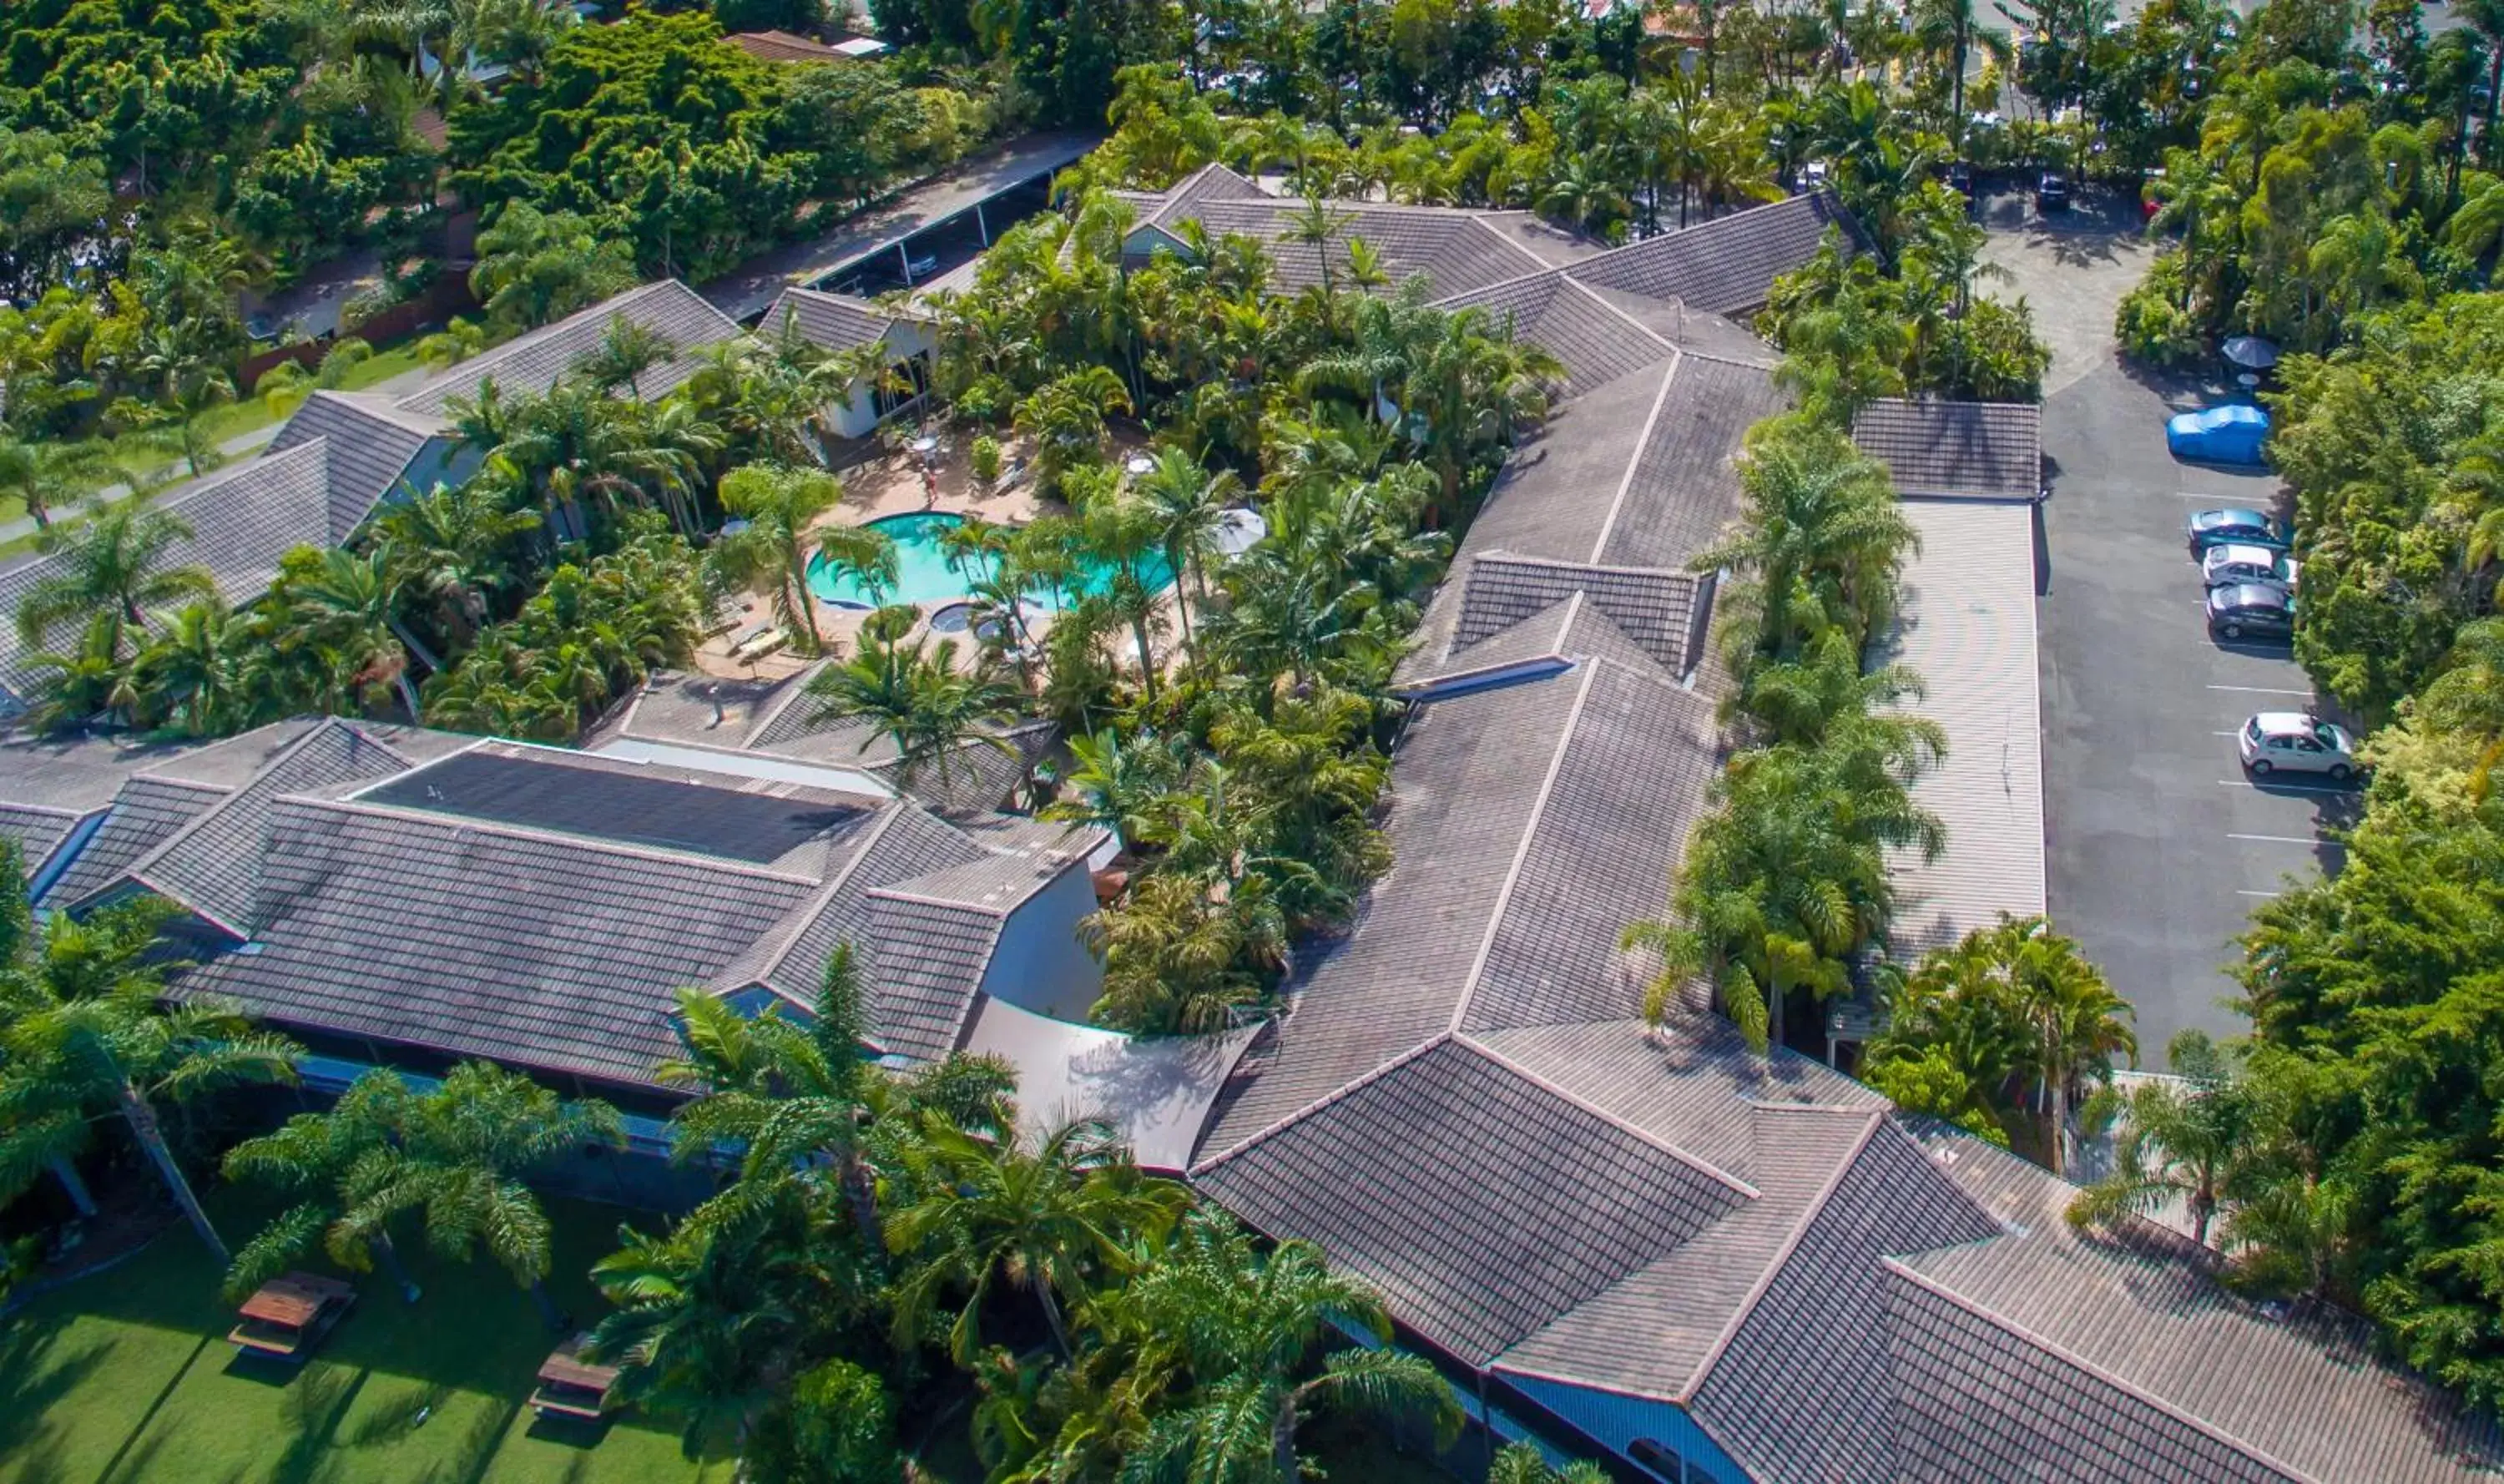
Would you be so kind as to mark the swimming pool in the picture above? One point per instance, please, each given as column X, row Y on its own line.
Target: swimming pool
column 926, row 572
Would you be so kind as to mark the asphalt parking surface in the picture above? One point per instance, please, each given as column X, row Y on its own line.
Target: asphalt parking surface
column 2158, row 844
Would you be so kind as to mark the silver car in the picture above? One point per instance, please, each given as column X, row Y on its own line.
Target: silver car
column 2234, row 564
column 2291, row 742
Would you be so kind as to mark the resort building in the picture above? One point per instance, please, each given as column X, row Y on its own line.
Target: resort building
column 1633, row 1241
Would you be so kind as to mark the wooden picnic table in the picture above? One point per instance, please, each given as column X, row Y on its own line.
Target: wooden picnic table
column 290, row 1313
column 571, row 1386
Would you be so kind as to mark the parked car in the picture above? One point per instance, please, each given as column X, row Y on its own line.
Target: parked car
column 2052, row 192
column 2294, row 742
column 2229, row 434
column 2252, row 611
column 2235, row 565
column 1959, row 179
column 2233, row 526
column 921, row 268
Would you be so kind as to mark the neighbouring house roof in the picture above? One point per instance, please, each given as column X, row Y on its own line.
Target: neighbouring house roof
column 1945, row 450
column 784, row 47
column 535, row 361
column 1458, row 250
column 1965, row 625
column 371, row 443
column 1727, row 266
column 834, row 322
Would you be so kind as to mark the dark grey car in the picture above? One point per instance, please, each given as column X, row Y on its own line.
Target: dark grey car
column 2251, row 611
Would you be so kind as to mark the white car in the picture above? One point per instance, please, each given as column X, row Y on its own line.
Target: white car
column 2294, row 742
column 2235, row 565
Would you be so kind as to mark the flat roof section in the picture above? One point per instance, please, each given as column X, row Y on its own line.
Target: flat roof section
column 750, row 289
column 615, row 802
column 1967, row 629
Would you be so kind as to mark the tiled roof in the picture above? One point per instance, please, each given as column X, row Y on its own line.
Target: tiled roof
column 1725, row 267
column 2072, row 1351
column 834, row 322
column 1683, row 490
column 545, row 951
column 536, row 361
column 1596, row 342
column 213, row 864
column 144, row 813
column 370, row 443
column 1956, row 449
column 35, row 831
column 784, row 47
column 1456, row 251
column 1211, row 182
column 1503, row 1206
column 1660, row 612
column 929, row 957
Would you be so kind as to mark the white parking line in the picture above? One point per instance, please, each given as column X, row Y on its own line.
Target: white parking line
column 2275, row 783
column 2242, row 894
column 2263, row 690
column 2283, row 839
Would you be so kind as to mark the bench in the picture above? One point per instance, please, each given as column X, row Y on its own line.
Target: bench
column 289, row 1316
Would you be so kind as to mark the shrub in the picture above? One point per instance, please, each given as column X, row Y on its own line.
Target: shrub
column 2154, row 324
column 986, row 458
column 838, row 1427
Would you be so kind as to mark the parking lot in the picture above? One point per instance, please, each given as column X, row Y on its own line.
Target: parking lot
column 2158, row 844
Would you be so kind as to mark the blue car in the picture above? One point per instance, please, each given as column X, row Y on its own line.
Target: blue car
column 2234, row 527
column 2218, row 435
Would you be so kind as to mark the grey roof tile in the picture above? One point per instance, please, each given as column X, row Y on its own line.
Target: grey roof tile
column 1956, row 449
column 1722, row 266
column 536, row 361
column 1507, row 1205
column 834, row 322
column 1802, row 1390
column 929, row 957
column 146, row 811
column 543, row 951
column 371, row 443
column 1455, row 250
column 37, row 832
column 212, row 865
column 1661, row 612
column 1684, row 493
column 1596, row 342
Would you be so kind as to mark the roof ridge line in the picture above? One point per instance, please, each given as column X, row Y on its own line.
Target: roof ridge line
column 799, row 687
column 1450, row 300
column 286, row 754
column 1570, row 564
column 1635, row 459
column 896, row 893
column 1577, row 1383
column 1593, row 294
column 503, row 830
column 1782, row 1258
column 1489, row 227
column 159, row 888
column 2128, row 1388
column 1521, row 853
column 1559, row 1090
column 786, row 937
column 1343, row 1089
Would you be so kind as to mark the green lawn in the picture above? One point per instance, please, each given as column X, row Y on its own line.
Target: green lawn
column 159, row 451
column 126, row 1377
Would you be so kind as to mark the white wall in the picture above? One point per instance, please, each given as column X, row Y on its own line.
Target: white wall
column 1040, row 964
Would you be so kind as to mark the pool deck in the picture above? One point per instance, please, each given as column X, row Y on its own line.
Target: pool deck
column 893, row 484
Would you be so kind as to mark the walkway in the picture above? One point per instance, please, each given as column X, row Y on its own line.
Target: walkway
column 752, row 288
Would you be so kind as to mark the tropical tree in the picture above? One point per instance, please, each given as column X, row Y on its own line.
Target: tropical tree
column 536, row 266
column 780, row 503
column 85, row 1033
column 187, row 379
column 1118, row 785
column 1190, row 506
column 1046, row 1213
column 1244, row 1326
column 283, row 387
column 627, row 349
column 1820, row 538
column 2177, row 1142
column 2074, row 1021
column 453, row 1155
column 45, row 474
column 787, row 1095
column 1524, row 1464
column 193, row 672
column 345, row 607
column 455, row 549
column 917, row 696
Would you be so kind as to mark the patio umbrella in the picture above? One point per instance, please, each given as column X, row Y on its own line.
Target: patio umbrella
column 1238, row 529
column 2251, row 351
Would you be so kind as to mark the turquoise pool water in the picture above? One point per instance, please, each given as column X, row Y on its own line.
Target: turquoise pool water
column 926, row 573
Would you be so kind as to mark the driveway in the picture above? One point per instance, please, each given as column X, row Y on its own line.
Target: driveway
column 2158, row 846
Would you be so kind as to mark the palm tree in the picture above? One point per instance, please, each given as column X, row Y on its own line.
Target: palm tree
column 1045, row 1213
column 1119, row 787
column 452, row 1155
column 2076, row 1023
column 347, row 606
column 711, row 1318
column 536, row 266
column 1315, row 224
column 863, row 552
column 283, row 387
column 455, row 547
column 787, row 1095
column 112, row 564
column 1190, row 506
column 1127, row 534
column 190, row 672
column 916, row 696
column 778, row 502
column 627, row 349
column 43, row 474
column 1821, row 517
column 85, row 1033
column 189, row 382
column 2176, row 1141
column 1245, row 1325
column 1524, row 1464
